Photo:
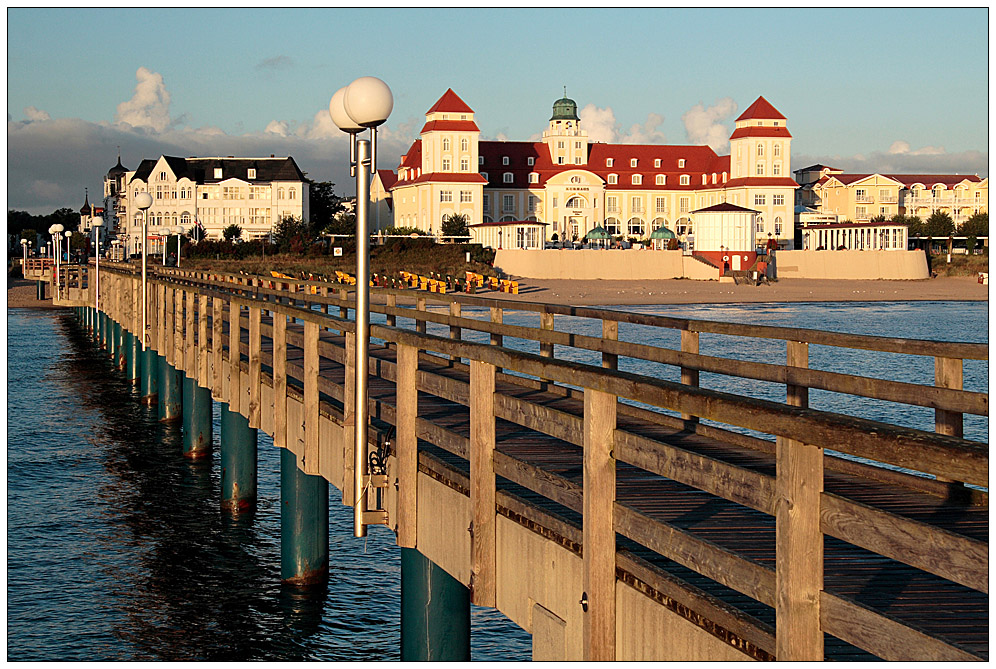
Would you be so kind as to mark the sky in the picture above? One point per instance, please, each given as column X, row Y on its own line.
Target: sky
column 865, row 90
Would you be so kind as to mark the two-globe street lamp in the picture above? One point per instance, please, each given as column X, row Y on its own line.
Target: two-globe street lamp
column 97, row 224
column 143, row 201
column 55, row 230
column 365, row 103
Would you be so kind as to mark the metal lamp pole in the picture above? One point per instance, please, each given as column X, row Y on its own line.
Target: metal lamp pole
column 179, row 231
column 143, row 201
column 365, row 103
column 97, row 224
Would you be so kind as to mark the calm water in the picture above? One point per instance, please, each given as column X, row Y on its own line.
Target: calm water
column 116, row 549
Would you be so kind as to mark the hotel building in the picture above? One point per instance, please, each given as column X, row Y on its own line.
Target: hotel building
column 573, row 185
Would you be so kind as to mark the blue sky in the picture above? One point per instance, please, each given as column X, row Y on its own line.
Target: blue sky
column 894, row 89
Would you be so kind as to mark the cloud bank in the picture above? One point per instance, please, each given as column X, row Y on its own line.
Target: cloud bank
column 707, row 125
column 900, row 158
column 602, row 126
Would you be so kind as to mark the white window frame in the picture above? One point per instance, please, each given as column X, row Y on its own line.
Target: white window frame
column 609, row 161
column 661, row 179
column 637, row 179
column 685, row 180
column 507, row 178
column 613, row 178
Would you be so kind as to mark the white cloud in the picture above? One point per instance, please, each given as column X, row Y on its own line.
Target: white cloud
column 706, row 125
column 898, row 159
column 149, row 106
column 647, row 132
column 35, row 114
column 280, row 128
column 600, row 123
column 900, row 147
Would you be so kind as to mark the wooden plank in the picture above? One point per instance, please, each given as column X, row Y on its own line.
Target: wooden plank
column 170, row 330
column 483, row 580
column 550, row 485
column 737, row 484
column 599, row 551
column 203, row 376
column 455, row 332
column 542, row 419
column 392, row 301
column 217, row 322
column 420, row 306
column 932, row 549
column 883, row 635
column 349, row 421
column 610, row 330
column 279, row 366
column 178, row 322
column 798, row 551
column 689, row 377
column 234, row 338
column 255, row 367
column 189, row 343
column 948, row 374
column 797, row 355
column 406, row 398
column 311, row 416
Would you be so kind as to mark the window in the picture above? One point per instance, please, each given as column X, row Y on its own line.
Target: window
column 506, row 177
column 532, row 203
column 760, row 169
column 508, row 203
column 530, row 161
column 861, row 212
column 560, row 145
column 291, row 194
column 778, row 149
column 554, row 203
column 636, row 204
column 883, row 194
column 661, row 179
column 657, row 162
column 684, row 181
column 612, row 226
column 632, row 162
column 884, row 211
column 577, row 160
column 635, row 227
column 504, row 160
column 777, row 200
column 280, row 194
column 759, row 200
column 485, row 175
column 660, row 204
column 533, row 178
column 637, row 179
column 681, row 163
column 466, row 196
column 446, row 164
column 613, row 178
column 159, row 192
column 575, row 203
column 446, row 144
column 445, row 196
column 759, row 221
column 217, row 173
column 560, row 160
column 464, row 164
column 612, row 203
column 464, row 144
column 480, row 160
column 577, row 145
column 778, row 226
column 204, row 196
column 683, row 204
column 608, row 162
column 487, row 202
column 252, row 173
column 760, row 150
column 776, row 169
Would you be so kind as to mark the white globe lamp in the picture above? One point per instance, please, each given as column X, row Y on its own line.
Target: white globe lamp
column 368, row 101
column 341, row 118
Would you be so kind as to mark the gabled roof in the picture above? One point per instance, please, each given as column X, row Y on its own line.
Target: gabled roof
column 201, row 170
column 725, row 206
column 450, row 102
column 388, row 178
column 760, row 109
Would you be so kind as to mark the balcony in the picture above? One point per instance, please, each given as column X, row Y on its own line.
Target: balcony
column 864, row 198
column 888, row 199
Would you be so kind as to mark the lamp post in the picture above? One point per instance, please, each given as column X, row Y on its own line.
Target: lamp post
column 69, row 238
column 55, row 230
column 97, row 224
column 179, row 231
column 365, row 103
column 143, row 201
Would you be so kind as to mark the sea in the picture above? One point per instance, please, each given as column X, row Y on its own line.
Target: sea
column 117, row 549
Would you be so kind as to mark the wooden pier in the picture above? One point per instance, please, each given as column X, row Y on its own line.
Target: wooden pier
column 562, row 494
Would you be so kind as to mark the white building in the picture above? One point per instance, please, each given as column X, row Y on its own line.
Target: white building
column 253, row 193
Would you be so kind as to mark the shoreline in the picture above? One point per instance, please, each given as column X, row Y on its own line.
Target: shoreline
column 597, row 293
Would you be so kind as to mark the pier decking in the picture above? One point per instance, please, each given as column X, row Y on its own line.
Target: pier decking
column 562, row 494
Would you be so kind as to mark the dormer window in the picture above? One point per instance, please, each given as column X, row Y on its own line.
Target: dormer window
column 217, row 173
column 714, row 177
column 608, row 162
column 445, row 116
column 504, row 160
column 684, row 181
column 776, row 124
column 485, row 175
column 613, row 178
column 252, row 173
column 681, row 163
column 657, row 162
column 480, row 160
column 507, row 177
column 533, row 178
column 661, row 179
column 637, row 179
column 632, row 162
column 463, row 117
column 530, row 161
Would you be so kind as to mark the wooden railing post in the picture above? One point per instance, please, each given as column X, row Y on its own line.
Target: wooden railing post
column 178, row 323
column 798, row 537
column 169, row 333
column 419, row 306
column 455, row 333
column 202, row 348
column 279, row 380
column 234, row 339
column 497, row 314
column 392, row 302
column 217, row 323
column 406, row 445
column 344, row 309
column 255, row 367
column 311, row 416
column 610, row 330
column 689, row 377
column 948, row 373
column 598, row 531
column 189, row 351
column 546, row 323
column 482, row 483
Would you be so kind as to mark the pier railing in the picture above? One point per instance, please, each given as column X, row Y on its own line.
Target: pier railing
column 302, row 315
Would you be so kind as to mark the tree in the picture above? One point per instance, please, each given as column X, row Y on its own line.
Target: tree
column 343, row 223
column 65, row 216
column 977, row 225
column 455, row 225
column 232, row 233
column 940, row 224
column 914, row 225
column 879, row 219
column 324, row 204
column 286, row 229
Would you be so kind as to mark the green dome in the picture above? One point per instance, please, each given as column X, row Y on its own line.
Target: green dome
column 565, row 109
column 662, row 233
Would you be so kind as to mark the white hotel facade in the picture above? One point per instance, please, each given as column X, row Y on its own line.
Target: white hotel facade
column 253, row 193
column 567, row 186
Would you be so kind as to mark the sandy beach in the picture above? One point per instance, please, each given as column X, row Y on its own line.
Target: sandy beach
column 21, row 293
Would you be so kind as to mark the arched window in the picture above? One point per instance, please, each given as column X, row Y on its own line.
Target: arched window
column 612, row 226
column 446, row 144
column 760, row 149
column 760, row 223
column 507, row 219
column 637, row 179
column 658, row 223
column 488, row 219
column 291, row 194
column 684, row 181
column 778, row 226
column 635, row 227
column 280, row 193
column 576, row 203
column 464, row 144
column 778, row 150
column 661, row 179
column 185, row 219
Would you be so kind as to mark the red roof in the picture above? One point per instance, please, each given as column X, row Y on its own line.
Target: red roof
column 388, row 178
column 762, row 181
column 450, row 102
column 453, row 126
column 949, row 180
column 726, row 206
column 760, row 109
column 500, row 224
column 760, row 131
column 445, row 177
